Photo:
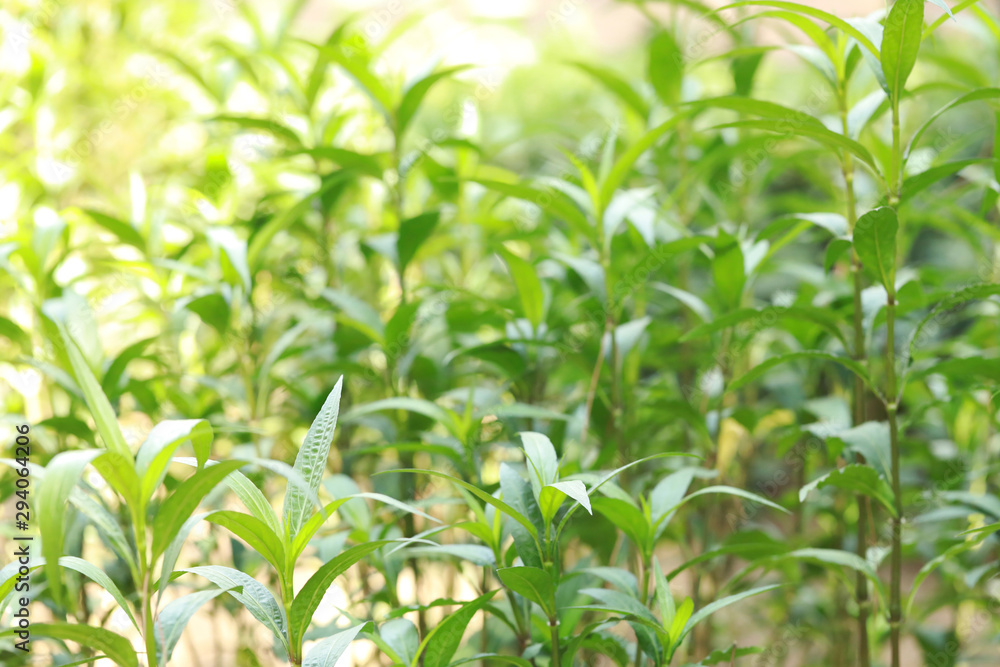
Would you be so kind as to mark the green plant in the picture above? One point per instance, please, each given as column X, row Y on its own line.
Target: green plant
column 731, row 290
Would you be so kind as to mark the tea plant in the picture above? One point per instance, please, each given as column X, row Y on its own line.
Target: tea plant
column 620, row 341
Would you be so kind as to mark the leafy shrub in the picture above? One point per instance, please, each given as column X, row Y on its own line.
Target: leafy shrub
column 733, row 343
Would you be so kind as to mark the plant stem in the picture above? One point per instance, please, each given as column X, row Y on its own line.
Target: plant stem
column 554, row 632
column 895, row 605
column 859, row 353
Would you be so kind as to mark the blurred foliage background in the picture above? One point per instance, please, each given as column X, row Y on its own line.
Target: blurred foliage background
column 237, row 203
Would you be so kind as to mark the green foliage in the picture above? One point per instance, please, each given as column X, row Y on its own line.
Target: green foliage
column 401, row 363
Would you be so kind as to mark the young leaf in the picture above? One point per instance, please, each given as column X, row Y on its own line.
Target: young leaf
column 61, row 476
column 900, row 43
column 440, row 644
column 102, row 579
column 156, row 451
column 875, row 243
column 100, row 408
column 415, row 95
column 666, row 68
column 251, row 594
column 401, row 636
column 759, row 370
column 664, row 597
column 713, row 607
column 115, row 647
column 543, row 466
column 859, row 479
column 529, row 288
column 327, row 652
column 552, row 496
column 310, row 462
column 617, row 85
column 412, row 234
column 254, row 532
column 307, row 600
column 174, row 617
column 176, row 509
column 532, row 583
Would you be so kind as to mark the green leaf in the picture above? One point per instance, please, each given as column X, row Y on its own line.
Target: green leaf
column 307, row 600
column 554, row 202
column 254, row 532
column 263, row 237
column 369, row 165
column 115, row 647
column 113, row 376
column 176, row 509
column 859, row 479
column 829, row 557
column 61, row 476
column 520, row 497
column 529, row 287
column 728, row 270
column 327, row 652
column 553, row 495
column 871, row 440
column 617, row 85
column 157, row 450
column 680, row 621
column 125, row 232
column 809, row 11
column 401, row 636
column 356, row 313
column 731, row 491
column 103, row 580
column 15, row 334
column 875, row 244
column 664, row 597
column 314, row 523
column 945, row 306
column 107, row 526
column 901, row 42
column 832, row 140
column 251, row 594
column 415, row 94
column 760, row 320
column 311, row 460
column 715, row 606
column 479, row 493
column 532, row 583
column 626, row 517
column 260, row 125
column 100, row 408
column 624, row 164
column 412, row 234
column 622, row 603
column 440, row 644
column 358, row 68
column 761, row 368
column 420, row 406
column 543, row 466
column 790, row 117
column 971, row 96
column 666, row 67
column 174, row 617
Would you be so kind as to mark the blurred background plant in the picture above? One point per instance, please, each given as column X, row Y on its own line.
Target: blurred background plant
column 600, row 221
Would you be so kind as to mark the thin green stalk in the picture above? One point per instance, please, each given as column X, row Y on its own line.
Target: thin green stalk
column 895, row 597
column 554, row 630
column 861, row 583
column 895, row 604
column 644, row 596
